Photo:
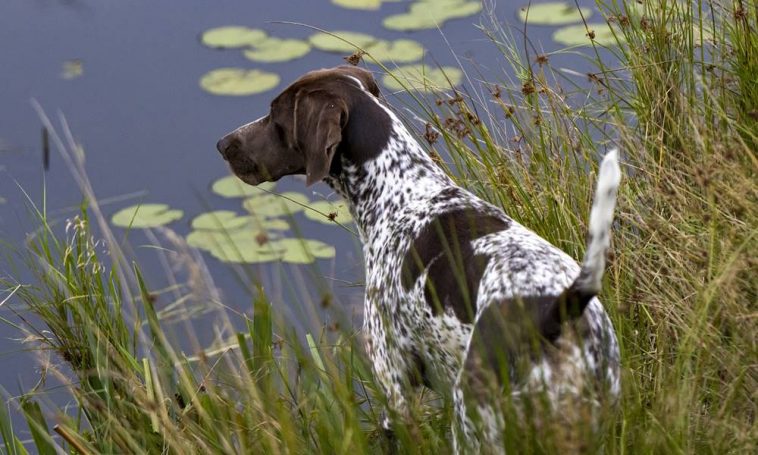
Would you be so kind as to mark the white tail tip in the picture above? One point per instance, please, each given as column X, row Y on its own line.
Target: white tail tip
column 601, row 219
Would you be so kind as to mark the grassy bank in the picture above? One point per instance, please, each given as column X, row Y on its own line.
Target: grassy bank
column 679, row 98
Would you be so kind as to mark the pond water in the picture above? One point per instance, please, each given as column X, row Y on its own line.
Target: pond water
column 126, row 76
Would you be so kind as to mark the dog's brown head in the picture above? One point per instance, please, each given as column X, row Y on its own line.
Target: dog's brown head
column 322, row 114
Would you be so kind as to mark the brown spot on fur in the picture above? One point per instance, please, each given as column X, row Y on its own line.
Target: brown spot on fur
column 443, row 247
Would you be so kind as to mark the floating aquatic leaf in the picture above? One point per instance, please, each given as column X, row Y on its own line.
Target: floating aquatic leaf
column 220, row 220
column 553, row 13
column 145, row 216
column 341, row 41
column 303, row 251
column 72, row 69
column 231, row 186
column 242, row 246
column 273, row 205
column 362, row 4
column 409, row 22
column 422, row 78
column 359, row 4
column 278, row 50
column 247, row 247
column 431, row 14
column 226, row 220
column 239, row 246
column 329, row 212
column 576, row 35
column 238, row 81
column 230, row 37
column 400, row 51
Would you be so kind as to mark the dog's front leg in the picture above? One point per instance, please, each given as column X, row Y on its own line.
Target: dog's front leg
column 388, row 364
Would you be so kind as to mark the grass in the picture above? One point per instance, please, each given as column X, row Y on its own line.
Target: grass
column 679, row 97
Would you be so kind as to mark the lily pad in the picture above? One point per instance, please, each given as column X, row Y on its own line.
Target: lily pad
column 422, row 78
column 238, row 246
column 230, row 37
column 341, row 41
column 431, row 14
column 72, row 69
column 246, row 247
column 303, row 251
column 553, row 13
column 274, row 205
column 362, row 4
column 243, row 246
column 401, row 50
column 146, row 216
column 329, row 212
column 226, row 220
column 278, row 50
column 359, row 4
column 576, row 35
column 231, row 186
column 238, row 81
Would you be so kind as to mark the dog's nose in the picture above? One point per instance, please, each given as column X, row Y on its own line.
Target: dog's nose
column 226, row 145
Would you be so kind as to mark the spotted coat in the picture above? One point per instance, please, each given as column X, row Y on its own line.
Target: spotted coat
column 441, row 264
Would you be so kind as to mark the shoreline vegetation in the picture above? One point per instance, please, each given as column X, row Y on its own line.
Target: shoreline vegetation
column 679, row 98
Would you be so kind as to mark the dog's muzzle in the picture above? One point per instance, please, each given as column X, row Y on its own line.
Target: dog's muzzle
column 228, row 146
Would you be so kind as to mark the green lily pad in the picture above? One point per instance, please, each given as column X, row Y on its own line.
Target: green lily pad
column 553, row 13
column 230, row 37
column 410, row 22
column 341, row 41
column 362, row 4
column 238, row 246
column 220, row 220
column 226, row 220
column 238, row 81
column 247, row 249
column 422, row 78
column 400, row 51
column 277, row 50
column 242, row 246
column 329, row 212
column 303, row 251
column 274, row 205
column 431, row 14
column 576, row 35
column 231, row 186
column 359, row 4
column 145, row 216
column 72, row 69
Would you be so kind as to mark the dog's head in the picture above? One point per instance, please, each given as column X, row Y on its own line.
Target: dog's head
column 306, row 125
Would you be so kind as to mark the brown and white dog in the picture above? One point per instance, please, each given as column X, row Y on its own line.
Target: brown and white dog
column 459, row 297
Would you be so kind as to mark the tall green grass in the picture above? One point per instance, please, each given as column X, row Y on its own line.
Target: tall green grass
column 678, row 96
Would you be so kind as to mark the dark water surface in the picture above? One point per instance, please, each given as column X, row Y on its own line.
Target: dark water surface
column 148, row 128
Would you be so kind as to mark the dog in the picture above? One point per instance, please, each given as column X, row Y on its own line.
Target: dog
column 459, row 297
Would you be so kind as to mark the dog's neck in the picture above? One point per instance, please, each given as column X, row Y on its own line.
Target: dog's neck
column 383, row 179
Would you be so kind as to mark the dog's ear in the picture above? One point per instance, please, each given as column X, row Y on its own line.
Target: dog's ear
column 364, row 76
column 318, row 121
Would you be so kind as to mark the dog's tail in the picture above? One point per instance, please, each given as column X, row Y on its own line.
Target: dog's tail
column 590, row 278
column 572, row 302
